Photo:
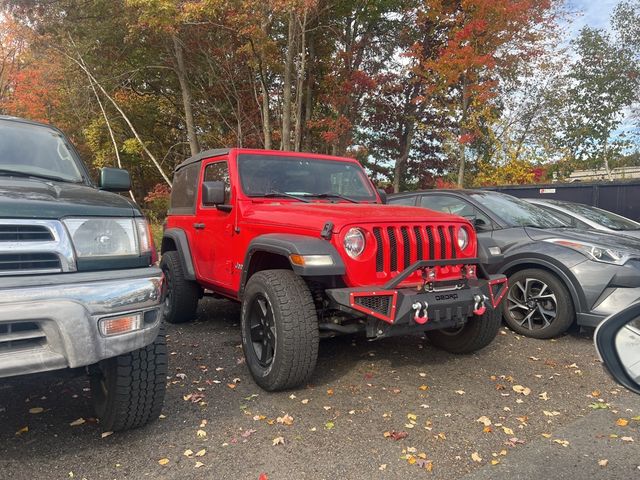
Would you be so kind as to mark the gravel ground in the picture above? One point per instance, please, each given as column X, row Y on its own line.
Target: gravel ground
column 539, row 396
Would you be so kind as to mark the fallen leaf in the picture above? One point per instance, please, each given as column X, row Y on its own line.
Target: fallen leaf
column 412, row 416
column 564, row 443
column 278, row 441
column 507, row 430
column 535, row 359
column 188, row 453
column 201, row 453
column 522, row 390
column 330, row 391
column 247, row 433
column 163, row 461
column 36, row 410
column 475, row 457
column 595, row 393
column 626, row 439
column 285, row 420
column 543, row 396
column 603, row 463
column 292, row 396
column 484, row 420
column 198, row 465
column 622, row 422
column 460, row 392
column 495, row 461
column 201, row 434
column 22, row 430
column 551, row 414
column 305, row 401
column 423, row 388
column 329, row 425
column 546, row 435
column 105, row 434
column 382, row 467
column 77, row 422
column 487, row 429
column 395, row 435
column 231, row 385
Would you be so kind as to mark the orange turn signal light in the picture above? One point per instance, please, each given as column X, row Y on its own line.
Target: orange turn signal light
column 118, row 325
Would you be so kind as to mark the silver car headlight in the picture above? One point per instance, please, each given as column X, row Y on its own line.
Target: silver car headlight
column 104, row 237
column 595, row 252
column 354, row 242
column 463, row 238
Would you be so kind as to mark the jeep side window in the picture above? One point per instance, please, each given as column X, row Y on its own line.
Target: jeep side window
column 185, row 188
column 219, row 172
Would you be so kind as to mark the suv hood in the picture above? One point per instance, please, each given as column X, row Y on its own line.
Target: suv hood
column 34, row 198
column 315, row 215
column 595, row 237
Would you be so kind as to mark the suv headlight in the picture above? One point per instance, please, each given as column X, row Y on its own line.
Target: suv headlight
column 595, row 252
column 354, row 242
column 108, row 237
column 463, row 238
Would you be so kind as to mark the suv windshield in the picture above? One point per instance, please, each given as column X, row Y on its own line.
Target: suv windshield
column 270, row 175
column 602, row 217
column 33, row 150
column 516, row 212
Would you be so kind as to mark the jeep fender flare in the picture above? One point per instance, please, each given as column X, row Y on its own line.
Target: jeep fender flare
column 285, row 245
column 565, row 276
column 179, row 238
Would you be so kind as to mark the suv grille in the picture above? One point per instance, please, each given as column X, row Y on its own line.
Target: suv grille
column 18, row 335
column 400, row 246
column 17, row 262
column 25, row 233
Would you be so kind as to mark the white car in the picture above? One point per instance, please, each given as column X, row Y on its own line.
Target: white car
column 583, row 216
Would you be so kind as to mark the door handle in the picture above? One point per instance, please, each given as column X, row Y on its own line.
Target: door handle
column 198, row 226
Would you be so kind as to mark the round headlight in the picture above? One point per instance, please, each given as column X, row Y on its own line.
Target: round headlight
column 463, row 238
column 354, row 242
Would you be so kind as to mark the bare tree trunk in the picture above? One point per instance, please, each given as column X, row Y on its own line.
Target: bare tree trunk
column 185, row 89
column 405, row 144
column 300, row 82
column 286, row 94
column 308, row 98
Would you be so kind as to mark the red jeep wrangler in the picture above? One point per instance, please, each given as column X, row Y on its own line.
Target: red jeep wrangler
column 306, row 244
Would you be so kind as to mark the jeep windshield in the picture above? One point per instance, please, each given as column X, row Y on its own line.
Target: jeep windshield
column 515, row 212
column 303, row 177
column 29, row 150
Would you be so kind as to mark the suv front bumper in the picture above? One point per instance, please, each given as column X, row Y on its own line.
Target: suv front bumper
column 401, row 310
column 50, row 322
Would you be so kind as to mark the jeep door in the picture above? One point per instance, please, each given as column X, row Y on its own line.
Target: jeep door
column 213, row 230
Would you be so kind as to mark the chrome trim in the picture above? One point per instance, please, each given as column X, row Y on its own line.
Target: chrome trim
column 60, row 246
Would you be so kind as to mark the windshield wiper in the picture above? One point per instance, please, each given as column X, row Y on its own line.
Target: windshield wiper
column 17, row 173
column 275, row 194
column 331, row 195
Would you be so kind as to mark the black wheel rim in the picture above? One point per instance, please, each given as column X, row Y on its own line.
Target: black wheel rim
column 532, row 305
column 262, row 330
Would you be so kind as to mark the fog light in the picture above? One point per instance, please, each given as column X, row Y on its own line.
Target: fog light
column 118, row 325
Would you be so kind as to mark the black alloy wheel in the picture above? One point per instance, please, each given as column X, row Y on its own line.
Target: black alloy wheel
column 263, row 330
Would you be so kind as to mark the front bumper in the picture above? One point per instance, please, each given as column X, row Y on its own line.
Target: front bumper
column 396, row 310
column 50, row 322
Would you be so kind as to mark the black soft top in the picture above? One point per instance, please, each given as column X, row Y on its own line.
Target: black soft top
column 216, row 152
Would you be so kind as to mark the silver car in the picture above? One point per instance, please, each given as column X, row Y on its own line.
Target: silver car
column 583, row 216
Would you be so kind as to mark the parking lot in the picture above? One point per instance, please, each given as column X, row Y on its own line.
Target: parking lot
column 386, row 409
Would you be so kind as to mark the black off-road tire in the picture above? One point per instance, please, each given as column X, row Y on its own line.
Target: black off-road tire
column 564, row 309
column 128, row 390
column 477, row 333
column 294, row 322
column 182, row 295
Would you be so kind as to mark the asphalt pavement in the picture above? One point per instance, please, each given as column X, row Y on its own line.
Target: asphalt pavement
column 396, row 408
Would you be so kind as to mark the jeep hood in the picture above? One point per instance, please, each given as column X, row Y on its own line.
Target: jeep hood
column 315, row 215
column 34, row 198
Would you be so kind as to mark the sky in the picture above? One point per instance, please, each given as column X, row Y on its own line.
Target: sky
column 594, row 13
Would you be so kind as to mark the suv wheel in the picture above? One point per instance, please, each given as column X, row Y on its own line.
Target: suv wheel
column 128, row 390
column 537, row 304
column 181, row 298
column 279, row 329
column 477, row 333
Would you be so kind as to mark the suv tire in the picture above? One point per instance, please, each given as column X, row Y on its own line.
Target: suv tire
column 128, row 390
column 279, row 329
column 181, row 299
column 477, row 333
column 524, row 287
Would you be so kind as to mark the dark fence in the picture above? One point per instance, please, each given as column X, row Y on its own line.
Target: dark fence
column 621, row 197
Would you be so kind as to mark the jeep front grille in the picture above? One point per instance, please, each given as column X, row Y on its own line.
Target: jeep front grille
column 20, row 335
column 399, row 246
column 25, row 233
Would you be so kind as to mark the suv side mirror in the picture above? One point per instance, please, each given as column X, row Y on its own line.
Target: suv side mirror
column 617, row 341
column 114, row 180
column 383, row 195
column 213, row 193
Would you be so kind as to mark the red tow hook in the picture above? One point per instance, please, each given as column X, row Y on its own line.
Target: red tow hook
column 479, row 307
column 420, row 316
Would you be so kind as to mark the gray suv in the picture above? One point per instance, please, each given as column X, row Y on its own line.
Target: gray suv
column 557, row 274
column 79, row 288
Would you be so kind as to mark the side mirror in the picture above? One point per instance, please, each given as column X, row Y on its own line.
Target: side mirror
column 383, row 195
column 114, row 180
column 213, row 193
column 617, row 341
column 480, row 225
